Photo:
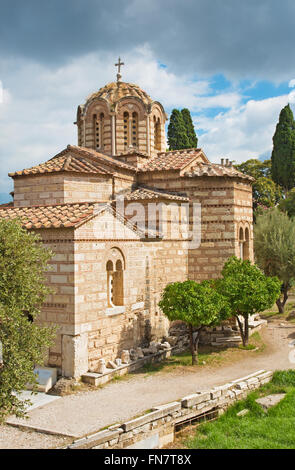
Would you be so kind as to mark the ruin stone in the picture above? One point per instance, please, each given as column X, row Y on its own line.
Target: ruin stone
column 125, row 356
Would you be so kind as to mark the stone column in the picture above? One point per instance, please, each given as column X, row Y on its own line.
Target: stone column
column 74, row 355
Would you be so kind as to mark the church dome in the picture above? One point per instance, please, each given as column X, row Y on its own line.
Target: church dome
column 115, row 91
column 119, row 118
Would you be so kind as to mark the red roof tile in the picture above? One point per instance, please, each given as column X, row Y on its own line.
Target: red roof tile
column 144, row 193
column 56, row 216
column 79, row 160
column 213, row 169
column 174, row 160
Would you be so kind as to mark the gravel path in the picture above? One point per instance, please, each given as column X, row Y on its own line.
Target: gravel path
column 87, row 412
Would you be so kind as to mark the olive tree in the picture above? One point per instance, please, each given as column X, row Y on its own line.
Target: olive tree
column 24, row 341
column 274, row 243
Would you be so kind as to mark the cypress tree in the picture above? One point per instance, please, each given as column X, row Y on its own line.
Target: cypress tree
column 283, row 154
column 177, row 134
column 190, row 130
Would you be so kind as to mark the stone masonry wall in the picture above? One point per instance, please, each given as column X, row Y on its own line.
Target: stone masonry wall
column 59, row 307
column 226, row 205
column 149, row 266
column 61, row 188
column 156, row 429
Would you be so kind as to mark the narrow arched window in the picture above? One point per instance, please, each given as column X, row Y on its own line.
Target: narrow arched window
column 98, row 129
column 157, row 133
column 96, row 132
column 241, row 243
column 110, row 283
column 246, row 247
column 134, row 130
column 126, row 130
column 115, row 283
column 101, row 131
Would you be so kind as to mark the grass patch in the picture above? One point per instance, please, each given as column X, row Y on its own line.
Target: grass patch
column 258, row 429
column 249, row 347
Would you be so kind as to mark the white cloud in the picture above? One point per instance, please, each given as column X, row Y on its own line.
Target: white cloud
column 39, row 107
column 243, row 132
column 36, row 119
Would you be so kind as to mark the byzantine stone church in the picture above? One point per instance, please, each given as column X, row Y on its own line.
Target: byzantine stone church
column 108, row 272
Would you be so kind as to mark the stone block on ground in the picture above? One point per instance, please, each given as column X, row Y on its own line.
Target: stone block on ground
column 46, row 378
column 139, row 352
column 125, row 356
column 270, row 400
column 243, row 412
column 195, row 399
column 112, row 365
column 101, row 367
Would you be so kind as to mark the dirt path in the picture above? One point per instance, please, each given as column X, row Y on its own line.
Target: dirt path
column 87, row 412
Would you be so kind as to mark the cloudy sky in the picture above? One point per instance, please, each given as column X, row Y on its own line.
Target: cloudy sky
column 229, row 61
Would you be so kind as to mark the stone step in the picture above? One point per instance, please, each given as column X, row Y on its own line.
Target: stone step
column 228, row 340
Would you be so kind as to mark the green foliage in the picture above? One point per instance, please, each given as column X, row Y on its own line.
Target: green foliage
column 288, row 205
column 247, row 291
column 23, row 262
column 283, row 154
column 198, row 305
column 177, row 132
column 193, row 303
column 266, row 192
column 255, row 168
column 190, row 130
column 274, row 235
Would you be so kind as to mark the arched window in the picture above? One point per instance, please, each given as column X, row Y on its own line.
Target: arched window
column 98, row 129
column 110, row 283
column 115, row 283
column 246, row 250
column 126, row 130
column 241, row 243
column 134, row 131
column 101, row 131
column 157, row 134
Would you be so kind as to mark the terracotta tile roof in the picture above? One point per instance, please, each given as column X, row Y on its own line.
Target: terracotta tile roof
column 133, row 151
column 67, row 216
column 174, row 160
column 76, row 159
column 7, row 204
column 58, row 163
column 213, row 169
column 98, row 157
column 144, row 193
column 57, row 216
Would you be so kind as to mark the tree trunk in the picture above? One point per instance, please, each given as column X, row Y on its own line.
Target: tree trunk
column 192, row 346
column 243, row 331
column 281, row 303
column 246, row 319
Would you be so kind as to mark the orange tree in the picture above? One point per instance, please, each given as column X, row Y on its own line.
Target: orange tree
column 197, row 304
column 247, row 291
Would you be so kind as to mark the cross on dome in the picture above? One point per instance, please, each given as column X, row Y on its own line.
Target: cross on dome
column 119, row 64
